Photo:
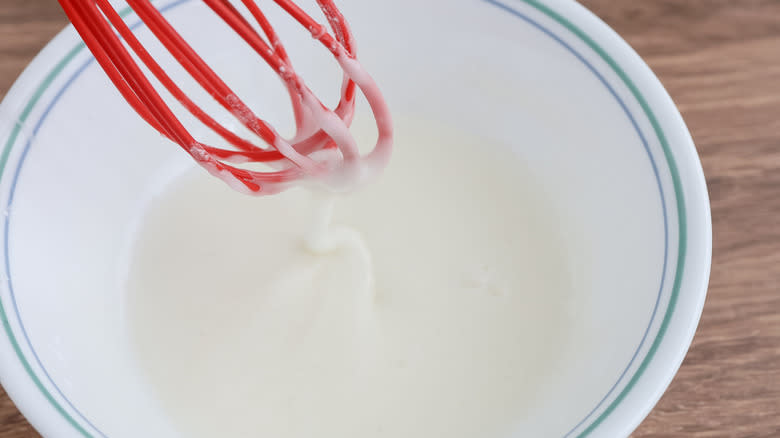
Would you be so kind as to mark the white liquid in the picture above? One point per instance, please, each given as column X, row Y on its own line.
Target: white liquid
column 454, row 332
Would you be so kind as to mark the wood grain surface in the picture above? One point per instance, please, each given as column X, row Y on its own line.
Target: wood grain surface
column 720, row 61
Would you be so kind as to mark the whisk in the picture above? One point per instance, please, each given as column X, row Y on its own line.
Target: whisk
column 322, row 148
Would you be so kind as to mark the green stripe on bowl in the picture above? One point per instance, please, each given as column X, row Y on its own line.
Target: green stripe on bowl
column 3, row 161
column 679, row 197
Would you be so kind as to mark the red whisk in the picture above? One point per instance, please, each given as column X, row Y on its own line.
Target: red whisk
column 317, row 127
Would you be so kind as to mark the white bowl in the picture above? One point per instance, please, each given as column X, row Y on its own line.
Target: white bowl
column 588, row 120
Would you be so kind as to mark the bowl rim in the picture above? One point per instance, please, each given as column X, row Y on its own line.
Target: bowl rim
column 692, row 202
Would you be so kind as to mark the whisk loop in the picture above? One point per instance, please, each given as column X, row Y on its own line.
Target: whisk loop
column 318, row 128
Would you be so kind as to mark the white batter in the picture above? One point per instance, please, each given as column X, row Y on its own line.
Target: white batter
column 437, row 309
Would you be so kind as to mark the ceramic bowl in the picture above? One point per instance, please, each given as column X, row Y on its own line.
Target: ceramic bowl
column 590, row 124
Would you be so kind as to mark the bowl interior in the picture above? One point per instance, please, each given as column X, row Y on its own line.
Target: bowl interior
column 83, row 168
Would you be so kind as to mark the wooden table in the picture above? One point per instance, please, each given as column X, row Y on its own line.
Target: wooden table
column 720, row 60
